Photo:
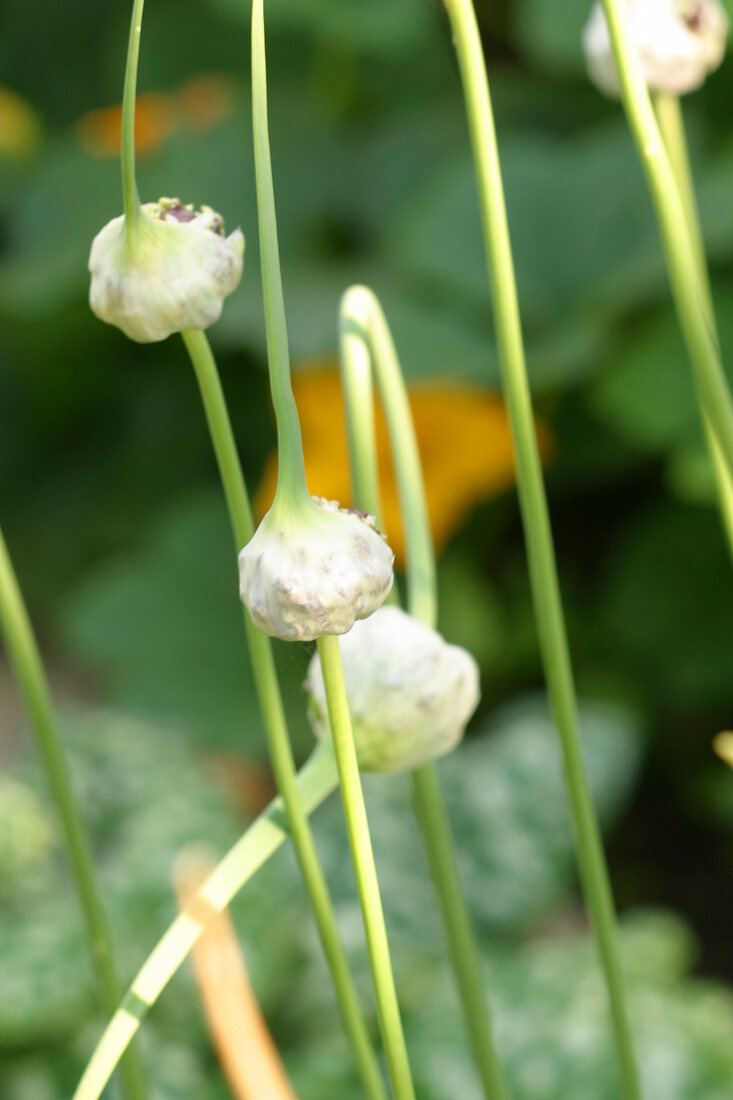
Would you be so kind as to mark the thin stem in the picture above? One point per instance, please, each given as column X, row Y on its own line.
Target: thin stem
column 129, row 186
column 682, row 266
column 271, row 706
column 28, row 668
column 365, row 871
column 291, row 477
column 366, row 342
column 316, row 780
column 672, row 127
column 536, row 521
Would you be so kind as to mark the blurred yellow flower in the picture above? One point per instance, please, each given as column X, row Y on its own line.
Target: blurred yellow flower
column 20, row 126
column 723, row 745
column 465, row 445
column 196, row 105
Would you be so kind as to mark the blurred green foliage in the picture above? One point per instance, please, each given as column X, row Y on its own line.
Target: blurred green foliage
column 109, row 501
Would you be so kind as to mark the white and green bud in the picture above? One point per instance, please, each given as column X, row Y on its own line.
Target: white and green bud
column 171, row 271
column 314, row 571
column 410, row 693
column 677, row 42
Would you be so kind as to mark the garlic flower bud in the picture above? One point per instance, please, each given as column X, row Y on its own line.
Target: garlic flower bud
column 678, row 42
column 410, row 693
column 314, row 572
column 171, row 272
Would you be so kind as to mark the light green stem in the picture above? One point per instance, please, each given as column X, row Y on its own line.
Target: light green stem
column 365, row 871
column 682, row 266
column 26, row 662
column 671, row 125
column 291, row 475
column 366, row 345
column 315, row 782
column 129, row 186
column 536, row 521
column 271, row 706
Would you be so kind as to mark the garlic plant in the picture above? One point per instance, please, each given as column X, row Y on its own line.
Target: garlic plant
column 165, row 271
column 411, row 694
column 677, row 43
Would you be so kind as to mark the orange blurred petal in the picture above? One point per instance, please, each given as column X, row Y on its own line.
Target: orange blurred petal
column 155, row 120
column 239, row 1034
column 206, row 100
column 465, row 445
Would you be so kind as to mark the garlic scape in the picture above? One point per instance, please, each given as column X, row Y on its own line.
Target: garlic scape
column 314, row 569
column 677, row 43
column 410, row 693
column 169, row 272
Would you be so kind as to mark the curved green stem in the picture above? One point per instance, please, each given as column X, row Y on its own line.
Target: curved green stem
column 672, row 127
column 536, row 521
column 291, row 476
column 315, row 782
column 28, row 668
column 266, row 685
column 366, row 345
column 365, row 871
column 682, row 266
column 129, row 186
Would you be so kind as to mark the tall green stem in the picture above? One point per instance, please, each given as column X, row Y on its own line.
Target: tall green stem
column 366, row 344
column 28, row 668
column 129, row 186
column 268, row 692
column 291, row 479
column 536, row 521
column 316, row 780
column 672, row 127
column 365, row 871
column 682, row 265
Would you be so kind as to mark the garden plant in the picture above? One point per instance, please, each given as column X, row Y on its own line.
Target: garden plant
column 426, row 904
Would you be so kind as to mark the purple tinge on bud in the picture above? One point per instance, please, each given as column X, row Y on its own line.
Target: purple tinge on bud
column 167, row 273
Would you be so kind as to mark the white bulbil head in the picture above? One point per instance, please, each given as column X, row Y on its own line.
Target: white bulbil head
column 410, row 693
column 171, row 273
column 677, row 42
column 311, row 572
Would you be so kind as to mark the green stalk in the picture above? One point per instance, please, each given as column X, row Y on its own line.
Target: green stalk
column 366, row 344
column 316, row 780
column 536, row 522
column 130, row 196
column 682, row 264
column 268, row 692
column 293, row 495
column 291, row 476
column 28, row 668
column 365, row 871
column 672, row 127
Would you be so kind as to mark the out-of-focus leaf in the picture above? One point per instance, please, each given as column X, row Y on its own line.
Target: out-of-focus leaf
column 668, row 604
column 552, row 1023
column 381, row 27
column 165, row 629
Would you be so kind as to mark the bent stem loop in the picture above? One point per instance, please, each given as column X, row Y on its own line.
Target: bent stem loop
column 536, row 521
column 316, row 780
column 671, row 124
column 365, row 872
column 682, row 264
column 268, row 692
column 367, row 347
column 25, row 660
